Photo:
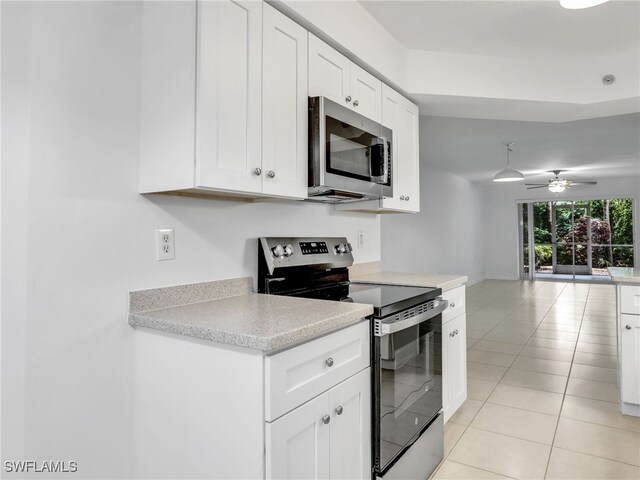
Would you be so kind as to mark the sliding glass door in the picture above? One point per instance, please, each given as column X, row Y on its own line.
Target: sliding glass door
column 569, row 240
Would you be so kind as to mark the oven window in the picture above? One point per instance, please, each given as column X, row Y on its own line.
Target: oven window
column 354, row 153
column 410, row 379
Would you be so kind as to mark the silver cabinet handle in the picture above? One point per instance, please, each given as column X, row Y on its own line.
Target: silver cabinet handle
column 407, row 198
column 329, row 362
column 271, row 174
column 456, row 331
column 452, row 334
column 326, row 419
column 348, row 99
column 628, row 327
column 339, row 410
column 402, row 198
column 356, row 103
column 452, row 304
column 257, row 171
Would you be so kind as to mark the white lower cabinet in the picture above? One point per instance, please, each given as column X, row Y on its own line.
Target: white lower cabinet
column 630, row 358
column 298, row 443
column 327, row 437
column 629, row 348
column 207, row 410
column 454, row 355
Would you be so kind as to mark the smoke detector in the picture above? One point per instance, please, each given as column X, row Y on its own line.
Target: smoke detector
column 608, row 79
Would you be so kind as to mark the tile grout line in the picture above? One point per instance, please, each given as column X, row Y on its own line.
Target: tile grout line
column 566, row 386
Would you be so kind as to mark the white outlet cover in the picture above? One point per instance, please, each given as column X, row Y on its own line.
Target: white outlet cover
column 165, row 244
column 360, row 239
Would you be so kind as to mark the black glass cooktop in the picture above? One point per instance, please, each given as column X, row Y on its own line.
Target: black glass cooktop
column 388, row 299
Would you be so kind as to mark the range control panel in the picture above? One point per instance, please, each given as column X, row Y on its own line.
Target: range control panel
column 319, row 252
column 310, row 248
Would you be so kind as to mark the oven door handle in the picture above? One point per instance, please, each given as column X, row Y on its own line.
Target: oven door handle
column 439, row 306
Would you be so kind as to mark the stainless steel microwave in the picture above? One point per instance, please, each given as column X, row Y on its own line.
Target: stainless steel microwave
column 350, row 156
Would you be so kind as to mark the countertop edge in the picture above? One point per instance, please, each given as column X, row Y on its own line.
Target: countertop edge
column 262, row 344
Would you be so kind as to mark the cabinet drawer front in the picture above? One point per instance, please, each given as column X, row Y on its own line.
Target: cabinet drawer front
column 456, row 297
column 630, row 299
column 294, row 376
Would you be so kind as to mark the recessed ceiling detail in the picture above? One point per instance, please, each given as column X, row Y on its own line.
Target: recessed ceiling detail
column 471, row 58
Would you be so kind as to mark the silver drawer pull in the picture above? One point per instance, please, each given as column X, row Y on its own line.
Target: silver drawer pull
column 326, row 419
column 356, row 103
column 329, row 362
column 348, row 99
column 452, row 304
column 628, row 327
column 339, row 410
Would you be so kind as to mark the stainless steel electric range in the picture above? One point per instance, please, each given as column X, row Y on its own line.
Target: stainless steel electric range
column 406, row 346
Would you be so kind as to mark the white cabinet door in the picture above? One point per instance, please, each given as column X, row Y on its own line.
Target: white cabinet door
column 228, row 92
column 409, row 161
column 454, row 365
column 297, row 444
column 391, row 105
column 630, row 358
column 329, row 72
column 284, row 106
column 366, row 93
column 402, row 117
column 351, row 427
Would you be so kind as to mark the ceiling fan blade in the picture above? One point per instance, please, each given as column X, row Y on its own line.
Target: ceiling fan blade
column 584, row 183
column 539, row 186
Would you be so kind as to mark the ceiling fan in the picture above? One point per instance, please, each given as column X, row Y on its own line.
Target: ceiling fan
column 557, row 184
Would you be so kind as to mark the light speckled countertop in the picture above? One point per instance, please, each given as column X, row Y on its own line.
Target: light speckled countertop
column 260, row 322
column 445, row 282
column 625, row 275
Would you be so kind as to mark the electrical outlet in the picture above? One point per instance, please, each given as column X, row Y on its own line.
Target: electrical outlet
column 360, row 239
column 166, row 247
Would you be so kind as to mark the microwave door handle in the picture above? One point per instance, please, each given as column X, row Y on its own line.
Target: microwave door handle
column 382, row 172
column 385, row 163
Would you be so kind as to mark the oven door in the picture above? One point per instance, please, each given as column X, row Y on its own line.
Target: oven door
column 407, row 384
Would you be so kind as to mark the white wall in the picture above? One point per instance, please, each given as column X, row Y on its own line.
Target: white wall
column 500, row 217
column 445, row 237
column 77, row 237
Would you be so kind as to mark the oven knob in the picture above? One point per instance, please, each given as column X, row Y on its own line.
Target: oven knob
column 278, row 251
column 341, row 248
column 288, row 250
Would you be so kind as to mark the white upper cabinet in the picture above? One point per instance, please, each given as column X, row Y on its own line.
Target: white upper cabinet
column 334, row 76
column 284, row 106
column 228, row 96
column 366, row 91
column 329, row 72
column 239, row 68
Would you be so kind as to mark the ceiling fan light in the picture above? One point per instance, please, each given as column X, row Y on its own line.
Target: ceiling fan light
column 508, row 175
column 577, row 4
column 556, row 188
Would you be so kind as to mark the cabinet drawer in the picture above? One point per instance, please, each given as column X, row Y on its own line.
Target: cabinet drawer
column 630, row 299
column 456, row 297
column 294, row 376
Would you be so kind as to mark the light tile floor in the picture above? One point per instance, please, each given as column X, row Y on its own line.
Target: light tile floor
column 542, row 394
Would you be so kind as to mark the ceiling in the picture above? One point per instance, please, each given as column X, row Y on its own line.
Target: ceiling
column 517, row 59
column 590, row 149
column 511, row 28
